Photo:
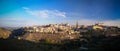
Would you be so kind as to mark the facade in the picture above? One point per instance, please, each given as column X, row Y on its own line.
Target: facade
column 98, row 26
column 52, row 29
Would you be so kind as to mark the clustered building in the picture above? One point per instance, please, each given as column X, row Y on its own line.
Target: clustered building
column 52, row 29
column 66, row 31
column 64, row 28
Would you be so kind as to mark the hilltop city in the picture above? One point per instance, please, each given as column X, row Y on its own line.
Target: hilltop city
column 66, row 28
column 59, row 32
column 80, row 37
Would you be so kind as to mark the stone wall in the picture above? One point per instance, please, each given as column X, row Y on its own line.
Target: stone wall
column 49, row 37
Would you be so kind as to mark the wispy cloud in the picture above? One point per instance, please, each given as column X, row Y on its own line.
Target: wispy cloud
column 112, row 22
column 45, row 13
column 92, row 22
column 30, row 22
column 18, row 22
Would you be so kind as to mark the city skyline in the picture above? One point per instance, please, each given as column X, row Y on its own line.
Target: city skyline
column 15, row 13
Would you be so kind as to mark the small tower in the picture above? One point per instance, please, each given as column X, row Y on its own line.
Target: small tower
column 77, row 24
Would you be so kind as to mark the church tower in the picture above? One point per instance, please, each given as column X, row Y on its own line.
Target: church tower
column 77, row 24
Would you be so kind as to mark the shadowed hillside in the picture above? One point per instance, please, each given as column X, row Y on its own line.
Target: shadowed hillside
column 23, row 45
column 108, row 44
column 92, row 40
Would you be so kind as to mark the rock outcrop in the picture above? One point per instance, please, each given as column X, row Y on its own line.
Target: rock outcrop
column 4, row 33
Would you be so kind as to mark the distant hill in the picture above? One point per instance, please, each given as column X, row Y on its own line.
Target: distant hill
column 11, row 28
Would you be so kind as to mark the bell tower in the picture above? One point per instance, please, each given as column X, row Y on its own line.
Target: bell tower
column 77, row 25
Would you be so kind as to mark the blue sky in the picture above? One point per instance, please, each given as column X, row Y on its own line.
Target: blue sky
column 15, row 13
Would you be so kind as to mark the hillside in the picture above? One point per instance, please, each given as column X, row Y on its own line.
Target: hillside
column 4, row 33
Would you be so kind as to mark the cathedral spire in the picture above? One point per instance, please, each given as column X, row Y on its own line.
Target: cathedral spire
column 77, row 24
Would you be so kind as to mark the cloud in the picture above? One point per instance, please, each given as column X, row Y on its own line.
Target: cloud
column 92, row 22
column 112, row 22
column 106, row 22
column 31, row 22
column 25, row 8
column 14, row 22
column 45, row 13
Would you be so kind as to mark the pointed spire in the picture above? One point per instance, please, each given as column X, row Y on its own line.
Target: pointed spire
column 77, row 24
